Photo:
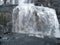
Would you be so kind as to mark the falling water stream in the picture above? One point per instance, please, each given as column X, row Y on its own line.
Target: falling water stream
column 34, row 20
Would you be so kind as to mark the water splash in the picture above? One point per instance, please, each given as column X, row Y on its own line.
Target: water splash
column 34, row 20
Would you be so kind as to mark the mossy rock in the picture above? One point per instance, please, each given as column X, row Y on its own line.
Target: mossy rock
column 4, row 18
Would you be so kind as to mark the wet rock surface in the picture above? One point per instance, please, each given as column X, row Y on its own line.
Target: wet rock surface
column 23, row 39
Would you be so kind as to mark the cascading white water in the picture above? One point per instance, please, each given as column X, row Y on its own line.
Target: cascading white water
column 35, row 20
column 1, row 2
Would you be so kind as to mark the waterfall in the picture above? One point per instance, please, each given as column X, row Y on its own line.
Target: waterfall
column 1, row 2
column 34, row 20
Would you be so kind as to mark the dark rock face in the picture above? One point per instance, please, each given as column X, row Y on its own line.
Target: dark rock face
column 49, row 3
column 6, row 18
column 22, row 39
column 43, row 2
column 6, row 10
